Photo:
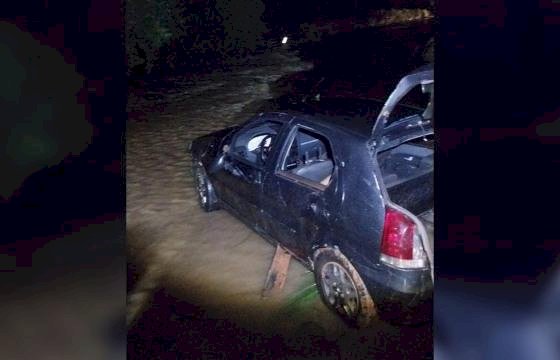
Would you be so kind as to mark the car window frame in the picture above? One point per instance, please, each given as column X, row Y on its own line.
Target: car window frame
column 251, row 124
column 392, row 117
column 296, row 179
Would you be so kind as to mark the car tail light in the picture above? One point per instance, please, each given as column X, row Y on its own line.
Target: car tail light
column 401, row 245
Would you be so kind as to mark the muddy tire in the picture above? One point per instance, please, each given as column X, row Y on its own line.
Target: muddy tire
column 206, row 196
column 342, row 289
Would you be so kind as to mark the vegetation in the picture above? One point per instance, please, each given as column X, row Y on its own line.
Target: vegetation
column 150, row 26
column 169, row 34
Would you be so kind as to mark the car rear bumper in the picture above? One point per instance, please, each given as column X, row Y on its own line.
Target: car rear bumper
column 398, row 292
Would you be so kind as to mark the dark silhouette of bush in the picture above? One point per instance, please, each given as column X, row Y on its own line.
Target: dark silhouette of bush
column 166, row 35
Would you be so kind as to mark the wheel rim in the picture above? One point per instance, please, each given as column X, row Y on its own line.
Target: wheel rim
column 339, row 289
column 201, row 187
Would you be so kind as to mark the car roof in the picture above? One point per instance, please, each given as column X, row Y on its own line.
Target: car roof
column 354, row 116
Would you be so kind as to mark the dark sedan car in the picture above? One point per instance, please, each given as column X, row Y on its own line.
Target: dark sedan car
column 345, row 185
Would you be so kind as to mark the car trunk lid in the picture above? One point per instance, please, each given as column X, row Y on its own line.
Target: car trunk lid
column 412, row 122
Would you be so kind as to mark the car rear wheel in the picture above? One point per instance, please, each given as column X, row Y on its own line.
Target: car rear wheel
column 342, row 288
column 204, row 189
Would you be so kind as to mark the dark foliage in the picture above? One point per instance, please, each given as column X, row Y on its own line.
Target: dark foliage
column 167, row 35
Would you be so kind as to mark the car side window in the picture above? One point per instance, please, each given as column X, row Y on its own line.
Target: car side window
column 308, row 157
column 254, row 143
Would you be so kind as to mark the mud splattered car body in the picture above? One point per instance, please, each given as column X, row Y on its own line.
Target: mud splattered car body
column 345, row 185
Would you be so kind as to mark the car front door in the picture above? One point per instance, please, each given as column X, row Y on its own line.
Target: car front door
column 296, row 194
column 239, row 179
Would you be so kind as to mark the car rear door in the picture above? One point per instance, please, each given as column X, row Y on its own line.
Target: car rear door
column 296, row 193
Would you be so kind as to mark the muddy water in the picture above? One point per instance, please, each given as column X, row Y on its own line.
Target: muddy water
column 207, row 256
column 198, row 276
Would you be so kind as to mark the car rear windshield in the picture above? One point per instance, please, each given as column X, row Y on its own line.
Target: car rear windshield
column 415, row 103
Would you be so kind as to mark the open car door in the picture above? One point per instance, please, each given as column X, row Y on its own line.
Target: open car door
column 407, row 113
column 406, row 116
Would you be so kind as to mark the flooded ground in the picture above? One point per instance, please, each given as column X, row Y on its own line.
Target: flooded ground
column 195, row 278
